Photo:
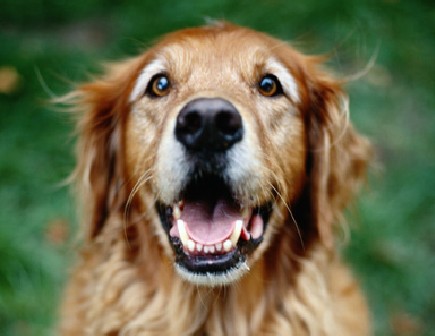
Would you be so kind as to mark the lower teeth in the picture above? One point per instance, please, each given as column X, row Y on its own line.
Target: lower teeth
column 190, row 245
column 227, row 245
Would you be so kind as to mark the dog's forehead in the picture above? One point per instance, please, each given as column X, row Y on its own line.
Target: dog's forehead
column 199, row 56
column 211, row 51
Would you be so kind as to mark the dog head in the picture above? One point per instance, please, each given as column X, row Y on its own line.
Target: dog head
column 223, row 139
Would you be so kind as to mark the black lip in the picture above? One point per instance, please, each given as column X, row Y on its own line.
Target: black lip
column 218, row 263
column 206, row 263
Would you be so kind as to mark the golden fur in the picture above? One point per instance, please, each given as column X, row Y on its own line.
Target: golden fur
column 300, row 151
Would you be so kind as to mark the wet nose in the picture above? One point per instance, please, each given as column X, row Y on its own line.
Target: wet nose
column 209, row 124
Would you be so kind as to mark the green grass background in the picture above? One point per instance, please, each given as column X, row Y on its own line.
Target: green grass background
column 54, row 44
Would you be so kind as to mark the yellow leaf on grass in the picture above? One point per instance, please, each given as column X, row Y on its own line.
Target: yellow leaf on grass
column 9, row 79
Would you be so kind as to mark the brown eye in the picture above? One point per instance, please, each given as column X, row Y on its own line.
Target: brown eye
column 269, row 86
column 158, row 86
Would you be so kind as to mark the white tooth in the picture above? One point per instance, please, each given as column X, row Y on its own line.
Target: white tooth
column 244, row 212
column 176, row 213
column 218, row 247
column 206, row 250
column 227, row 245
column 199, row 247
column 211, row 248
column 182, row 231
column 236, row 232
column 191, row 245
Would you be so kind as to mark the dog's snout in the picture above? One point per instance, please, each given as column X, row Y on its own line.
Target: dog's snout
column 212, row 124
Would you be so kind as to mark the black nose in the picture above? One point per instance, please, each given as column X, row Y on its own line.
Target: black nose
column 211, row 124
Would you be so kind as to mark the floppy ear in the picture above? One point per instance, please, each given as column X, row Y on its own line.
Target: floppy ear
column 337, row 155
column 100, row 174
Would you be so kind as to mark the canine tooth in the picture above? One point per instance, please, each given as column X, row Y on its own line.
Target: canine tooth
column 176, row 213
column 199, row 247
column 218, row 247
column 182, row 231
column 245, row 234
column 245, row 212
column 191, row 245
column 227, row 245
column 236, row 232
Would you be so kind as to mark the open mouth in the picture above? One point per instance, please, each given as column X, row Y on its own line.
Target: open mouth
column 211, row 232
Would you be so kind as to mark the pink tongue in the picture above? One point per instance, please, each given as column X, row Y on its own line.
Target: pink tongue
column 210, row 224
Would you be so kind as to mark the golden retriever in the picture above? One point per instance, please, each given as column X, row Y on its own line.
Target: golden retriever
column 212, row 170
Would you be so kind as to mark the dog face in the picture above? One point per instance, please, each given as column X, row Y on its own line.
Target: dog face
column 224, row 137
column 222, row 111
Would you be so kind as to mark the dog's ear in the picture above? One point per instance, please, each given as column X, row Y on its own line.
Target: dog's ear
column 100, row 175
column 337, row 154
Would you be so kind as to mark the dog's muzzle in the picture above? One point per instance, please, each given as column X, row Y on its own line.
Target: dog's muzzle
column 210, row 230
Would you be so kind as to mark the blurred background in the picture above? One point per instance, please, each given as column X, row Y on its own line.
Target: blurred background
column 46, row 46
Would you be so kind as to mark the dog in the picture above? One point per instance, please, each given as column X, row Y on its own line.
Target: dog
column 212, row 172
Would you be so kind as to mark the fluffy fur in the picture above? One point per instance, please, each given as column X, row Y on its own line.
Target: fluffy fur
column 299, row 151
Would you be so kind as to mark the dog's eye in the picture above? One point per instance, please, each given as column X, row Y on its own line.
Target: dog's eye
column 158, row 86
column 269, row 86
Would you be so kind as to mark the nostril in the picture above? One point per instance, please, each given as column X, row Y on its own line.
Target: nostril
column 228, row 122
column 190, row 122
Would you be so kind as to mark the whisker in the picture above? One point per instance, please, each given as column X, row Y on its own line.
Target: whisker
column 290, row 212
column 139, row 184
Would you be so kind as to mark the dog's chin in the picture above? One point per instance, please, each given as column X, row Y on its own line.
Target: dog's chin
column 212, row 279
column 211, row 234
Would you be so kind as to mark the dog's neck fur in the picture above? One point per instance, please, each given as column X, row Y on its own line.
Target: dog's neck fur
column 132, row 293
